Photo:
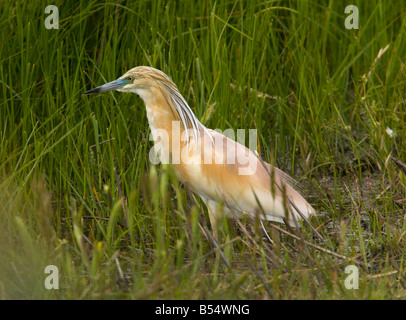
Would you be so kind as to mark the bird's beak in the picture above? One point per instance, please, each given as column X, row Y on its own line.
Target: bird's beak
column 116, row 84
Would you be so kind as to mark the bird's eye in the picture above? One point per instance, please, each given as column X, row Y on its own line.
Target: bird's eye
column 130, row 78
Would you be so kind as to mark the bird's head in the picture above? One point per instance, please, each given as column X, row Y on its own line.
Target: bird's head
column 140, row 80
column 154, row 86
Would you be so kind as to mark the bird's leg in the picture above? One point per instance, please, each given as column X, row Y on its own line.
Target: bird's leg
column 213, row 216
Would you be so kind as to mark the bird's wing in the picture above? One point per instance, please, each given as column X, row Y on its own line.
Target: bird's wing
column 228, row 171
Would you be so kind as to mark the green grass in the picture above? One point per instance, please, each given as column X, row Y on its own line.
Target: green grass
column 77, row 189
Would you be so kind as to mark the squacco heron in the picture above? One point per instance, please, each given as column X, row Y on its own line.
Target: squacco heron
column 218, row 169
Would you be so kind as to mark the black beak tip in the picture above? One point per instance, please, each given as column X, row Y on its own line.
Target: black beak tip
column 91, row 91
